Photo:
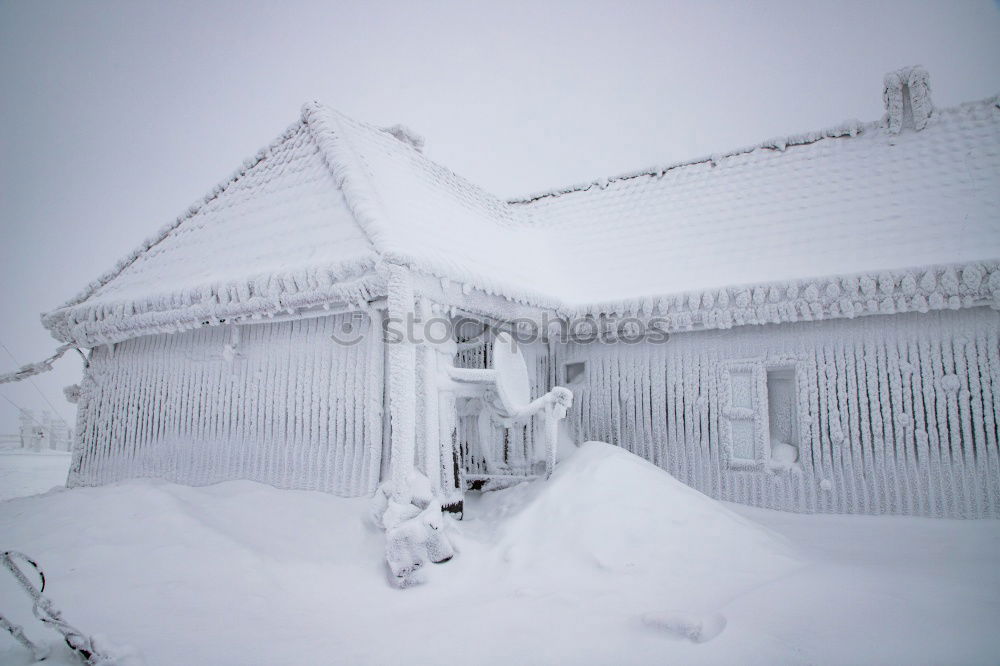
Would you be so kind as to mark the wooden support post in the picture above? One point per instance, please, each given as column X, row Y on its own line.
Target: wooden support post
column 401, row 357
column 452, row 481
column 429, row 440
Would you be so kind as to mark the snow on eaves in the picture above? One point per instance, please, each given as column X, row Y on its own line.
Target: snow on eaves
column 314, row 219
column 309, row 220
column 915, row 289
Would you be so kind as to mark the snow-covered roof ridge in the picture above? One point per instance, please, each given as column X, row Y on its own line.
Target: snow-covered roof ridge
column 847, row 128
column 423, row 215
column 850, row 127
column 350, row 178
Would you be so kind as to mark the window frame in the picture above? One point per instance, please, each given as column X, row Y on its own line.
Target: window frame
column 578, row 379
column 759, row 412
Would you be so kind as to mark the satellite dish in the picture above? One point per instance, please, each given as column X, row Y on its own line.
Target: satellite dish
column 513, row 385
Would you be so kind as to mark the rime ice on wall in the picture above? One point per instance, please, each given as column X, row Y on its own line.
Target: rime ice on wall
column 894, row 414
column 280, row 403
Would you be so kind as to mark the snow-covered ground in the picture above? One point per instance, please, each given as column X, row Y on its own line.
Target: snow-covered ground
column 29, row 473
column 610, row 562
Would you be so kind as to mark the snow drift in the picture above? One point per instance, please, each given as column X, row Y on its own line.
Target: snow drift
column 609, row 515
column 610, row 561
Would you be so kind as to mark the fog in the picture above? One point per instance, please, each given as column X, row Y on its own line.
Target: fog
column 115, row 116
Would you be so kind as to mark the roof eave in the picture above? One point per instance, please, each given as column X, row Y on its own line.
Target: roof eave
column 917, row 289
column 93, row 324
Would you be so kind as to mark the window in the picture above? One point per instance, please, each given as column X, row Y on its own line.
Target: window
column 782, row 416
column 760, row 424
column 575, row 372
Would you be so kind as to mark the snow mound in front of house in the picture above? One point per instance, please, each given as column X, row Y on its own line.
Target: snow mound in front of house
column 610, row 561
column 609, row 517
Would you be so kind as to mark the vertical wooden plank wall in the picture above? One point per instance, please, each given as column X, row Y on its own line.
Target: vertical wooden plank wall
column 291, row 408
column 899, row 413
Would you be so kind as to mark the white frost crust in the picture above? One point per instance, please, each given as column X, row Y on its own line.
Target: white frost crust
column 401, row 368
column 518, row 254
column 407, row 136
column 291, row 408
column 225, row 257
column 833, row 207
column 262, row 298
column 895, row 414
column 414, row 527
column 916, row 79
column 165, row 230
column 342, row 161
column 886, row 292
column 423, row 216
column 849, row 128
column 32, row 369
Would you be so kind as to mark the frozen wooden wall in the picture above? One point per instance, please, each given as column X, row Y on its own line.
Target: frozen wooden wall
column 284, row 404
column 897, row 414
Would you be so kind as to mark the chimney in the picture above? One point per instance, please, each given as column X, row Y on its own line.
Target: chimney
column 907, row 97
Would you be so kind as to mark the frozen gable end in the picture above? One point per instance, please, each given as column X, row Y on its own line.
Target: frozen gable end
column 906, row 94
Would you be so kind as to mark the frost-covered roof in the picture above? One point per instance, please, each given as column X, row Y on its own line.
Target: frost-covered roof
column 423, row 215
column 792, row 228
column 277, row 233
column 852, row 199
column 306, row 222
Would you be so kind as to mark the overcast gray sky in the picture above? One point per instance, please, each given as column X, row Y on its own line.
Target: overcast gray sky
column 114, row 116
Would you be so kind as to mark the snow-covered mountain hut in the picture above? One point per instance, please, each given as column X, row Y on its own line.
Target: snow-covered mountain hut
column 808, row 324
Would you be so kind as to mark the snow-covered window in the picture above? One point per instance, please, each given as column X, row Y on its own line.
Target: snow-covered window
column 760, row 420
column 782, row 415
column 744, row 414
column 575, row 373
